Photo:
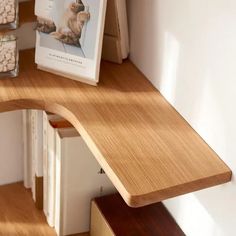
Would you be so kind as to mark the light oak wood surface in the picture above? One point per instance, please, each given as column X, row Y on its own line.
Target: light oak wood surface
column 145, row 147
column 18, row 214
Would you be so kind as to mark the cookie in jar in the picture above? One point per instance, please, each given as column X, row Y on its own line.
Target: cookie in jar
column 8, row 56
column 8, row 14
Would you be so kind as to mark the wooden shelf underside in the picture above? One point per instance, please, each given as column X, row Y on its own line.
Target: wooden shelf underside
column 146, row 148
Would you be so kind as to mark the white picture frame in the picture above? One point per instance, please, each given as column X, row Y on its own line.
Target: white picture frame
column 82, row 62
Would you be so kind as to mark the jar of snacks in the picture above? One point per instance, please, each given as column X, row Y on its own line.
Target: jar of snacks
column 8, row 56
column 8, row 14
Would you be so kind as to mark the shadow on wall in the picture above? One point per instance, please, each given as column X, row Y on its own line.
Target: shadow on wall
column 11, row 150
column 187, row 50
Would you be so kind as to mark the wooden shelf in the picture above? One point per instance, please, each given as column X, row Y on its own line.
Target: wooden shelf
column 146, row 148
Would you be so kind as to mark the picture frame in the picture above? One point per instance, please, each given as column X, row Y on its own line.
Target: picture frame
column 69, row 38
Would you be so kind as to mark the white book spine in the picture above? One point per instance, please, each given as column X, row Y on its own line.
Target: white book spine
column 26, row 149
column 45, row 165
column 51, row 176
column 33, row 147
column 58, row 195
column 81, row 182
column 43, row 8
column 39, row 143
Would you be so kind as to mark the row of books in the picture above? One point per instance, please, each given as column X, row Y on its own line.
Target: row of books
column 72, row 33
column 61, row 171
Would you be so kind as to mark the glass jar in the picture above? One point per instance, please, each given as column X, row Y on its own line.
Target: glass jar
column 9, row 14
column 8, row 56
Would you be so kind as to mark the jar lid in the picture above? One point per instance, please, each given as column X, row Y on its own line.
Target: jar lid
column 7, row 38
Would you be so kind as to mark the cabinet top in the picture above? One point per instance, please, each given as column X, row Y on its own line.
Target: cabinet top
column 147, row 149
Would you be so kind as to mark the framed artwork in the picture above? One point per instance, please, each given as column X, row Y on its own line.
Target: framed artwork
column 69, row 37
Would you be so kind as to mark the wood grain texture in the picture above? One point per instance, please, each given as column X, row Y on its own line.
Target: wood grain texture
column 112, row 217
column 18, row 214
column 147, row 149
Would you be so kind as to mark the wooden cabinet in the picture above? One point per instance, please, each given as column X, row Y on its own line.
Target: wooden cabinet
column 110, row 216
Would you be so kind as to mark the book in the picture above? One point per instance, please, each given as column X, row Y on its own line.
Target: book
column 116, row 36
column 69, row 37
column 123, row 26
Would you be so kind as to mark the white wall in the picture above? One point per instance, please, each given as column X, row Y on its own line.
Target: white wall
column 11, row 135
column 11, row 148
column 187, row 48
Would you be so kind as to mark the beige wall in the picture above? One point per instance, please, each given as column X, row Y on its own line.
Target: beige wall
column 11, row 147
column 11, row 143
column 187, row 49
column 26, row 34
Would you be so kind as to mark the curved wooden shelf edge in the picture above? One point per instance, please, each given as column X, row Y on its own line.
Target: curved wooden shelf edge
column 21, row 104
column 146, row 148
column 131, row 200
